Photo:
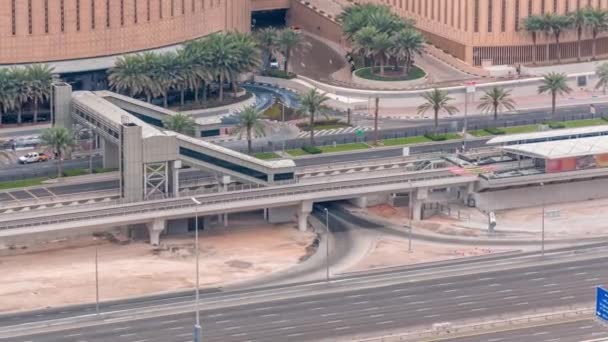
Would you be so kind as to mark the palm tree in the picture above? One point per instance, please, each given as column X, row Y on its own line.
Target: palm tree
column 363, row 41
column 201, row 61
column 534, row 25
column 247, row 57
column 288, row 40
column 268, row 41
column 166, row 75
column 312, row 103
column 597, row 21
column 556, row 24
column 24, row 93
column 180, row 123
column 224, row 58
column 381, row 48
column 149, row 64
column 496, row 100
column 406, row 44
column 8, row 92
column 602, row 77
column 60, row 140
column 579, row 20
column 555, row 84
column 40, row 81
column 186, row 74
column 437, row 100
column 250, row 124
column 128, row 75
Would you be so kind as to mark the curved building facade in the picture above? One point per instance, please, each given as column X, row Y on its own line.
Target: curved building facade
column 60, row 30
column 491, row 31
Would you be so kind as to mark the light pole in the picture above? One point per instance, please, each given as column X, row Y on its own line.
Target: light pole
column 469, row 89
column 409, row 247
column 283, row 119
column 91, row 136
column 327, row 245
column 197, row 332
column 542, row 234
column 96, row 282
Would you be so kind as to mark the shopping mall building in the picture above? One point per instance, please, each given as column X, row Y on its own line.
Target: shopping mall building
column 491, row 31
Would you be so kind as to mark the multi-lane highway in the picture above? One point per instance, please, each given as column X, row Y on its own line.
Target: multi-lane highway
column 360, row 306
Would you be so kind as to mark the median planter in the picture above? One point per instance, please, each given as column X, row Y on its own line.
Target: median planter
column 312, row 150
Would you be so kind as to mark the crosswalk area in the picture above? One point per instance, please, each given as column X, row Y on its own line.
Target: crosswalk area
column 335, row 131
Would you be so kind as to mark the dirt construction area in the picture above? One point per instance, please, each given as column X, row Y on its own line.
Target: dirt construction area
column 63, row 273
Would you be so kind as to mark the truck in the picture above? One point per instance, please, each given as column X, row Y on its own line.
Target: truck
column 33, row 157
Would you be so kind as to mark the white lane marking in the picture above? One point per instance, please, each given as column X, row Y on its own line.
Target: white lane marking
column 169, row 322
column 540, row 333
column 368, row 309
column 176, row 328
column 277, row 322
column 312, row 309
column 355, row 296
column 554, row 291
column 406, row 296
column 73, row 335
column 484, row 279
column 269, row 315
column 496, row 339
column 384, row 322
column 233, row 328
column 239, row 334
column 342, row 328
column 580, row 273
column 294, row 335
column 586, row 327
column 121, row 328
column 465, row 303
column 431, row 316
column 215, row 315
column 537, row 279
column 363, row 302
column 184, row 335
column 287, row 328
column 550, row 285
column 511, row 297
column 567, row 297
column 522, row 303
column 505, row 291
column 453, row 290
column 478, row 309
column 442, row 284
column 334, row 321
column 264, row 309
column 398, row 290
column 127, row 335
column 494, row 285
column 329, row 314
column 222, row 322
column 310, row 302
column 423, row 309
column 376, row 316
column 592, row 279
column 531, row 272
column 463, row 296
column 418, row 302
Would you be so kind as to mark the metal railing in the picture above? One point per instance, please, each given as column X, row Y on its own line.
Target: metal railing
column 288, row 192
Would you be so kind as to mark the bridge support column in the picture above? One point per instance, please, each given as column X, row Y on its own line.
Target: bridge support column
column 416, row 201
column 155, row 228
column 303, row 211
column 359, row 202
column 110, row 155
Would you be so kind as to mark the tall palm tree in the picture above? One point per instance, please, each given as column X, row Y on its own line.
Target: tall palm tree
column 312, row 103
column 224, row 58
column 597, row 21
column 180, row 123
column 363, row 41
column 24, row 93
column 149, row 65
column 201, row 67
column 250, row 124
column 579, row 20
column 166, row 75
column 268, row 41
column 381, row 48
column 247, row 56
column 555, row 84
column 534, row 25
column 437, row 100
column 405, row 45
column 288, row 40
column 496, row 100
column 127, row 75
column 556, row 24
column 186, row 74
column 8, row 92
column 60, row 140
column 602, row 77
column 40, row 81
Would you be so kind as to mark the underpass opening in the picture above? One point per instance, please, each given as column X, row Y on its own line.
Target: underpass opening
column 270, row 18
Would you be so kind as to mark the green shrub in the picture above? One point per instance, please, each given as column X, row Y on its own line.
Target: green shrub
column 74, row 172
column 436, row 137
column 280, row 74
column 556, row 125
column 312, row 150
column 495, row 131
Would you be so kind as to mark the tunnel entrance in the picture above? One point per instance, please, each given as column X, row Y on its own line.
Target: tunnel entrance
column 273, row 18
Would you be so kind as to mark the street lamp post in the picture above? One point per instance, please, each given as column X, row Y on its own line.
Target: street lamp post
column 542, row 234
column 283, row 119
column 197, row 332
column 91, row 140
column 96, row 282
column 469, row 89
column 327, row 245
column 409, row 248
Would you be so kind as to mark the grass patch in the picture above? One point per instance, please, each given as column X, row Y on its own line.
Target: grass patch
column 297, row 152
column 344, row 148
column 275, row 112
column 584, row 123
column 419, row 139
column 521, row 129
column 391, row 75
column 331, row 126
column 22, row 183
column 267, row 155
column 480, row 133
column 323, row 124
column 75, row 172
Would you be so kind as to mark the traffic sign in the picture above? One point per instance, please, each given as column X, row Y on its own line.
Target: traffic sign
column 360, row 133
column 601, row 304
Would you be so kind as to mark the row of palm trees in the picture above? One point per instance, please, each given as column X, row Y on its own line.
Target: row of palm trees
column 498, row 99
column 273, row 41
column 20, row 86
column 382, row 36
column 587, row 19
column 218, row 58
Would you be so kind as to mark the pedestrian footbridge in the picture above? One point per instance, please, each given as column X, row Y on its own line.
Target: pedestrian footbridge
column 148, row 157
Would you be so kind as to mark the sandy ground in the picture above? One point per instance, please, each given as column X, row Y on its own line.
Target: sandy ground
column 64, row 273
column 391, row 252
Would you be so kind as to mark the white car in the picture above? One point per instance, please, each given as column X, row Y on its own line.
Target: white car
column 274, row 64
column 33, row 157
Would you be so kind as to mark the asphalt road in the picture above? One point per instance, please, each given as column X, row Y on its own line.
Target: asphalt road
column 578, row 331
column 45, row 169
column 357, row 312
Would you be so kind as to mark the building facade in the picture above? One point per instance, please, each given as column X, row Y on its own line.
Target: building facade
column 62, row 30
column 491, row 31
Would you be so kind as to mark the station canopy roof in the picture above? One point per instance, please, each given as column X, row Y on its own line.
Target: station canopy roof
column 558, row 149
column 547, row 135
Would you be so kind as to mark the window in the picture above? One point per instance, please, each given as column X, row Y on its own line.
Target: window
column 13, row 17
column 160, row 9
column 503, row 16
column 92, row 14
column 554, row 6
column 148, row 10
column 46, row 16
column 62, row 13
column 445, row 13
column 107, row 13
column 77, row 15
column 183, row 7
column 476, row 16
column 529, row 8
column 517, row 15
column 172, row 7
column 29, row 16
column 542, row 6
column 122, row 12
column 490, row 15
column 135, row 11
column 432, row 9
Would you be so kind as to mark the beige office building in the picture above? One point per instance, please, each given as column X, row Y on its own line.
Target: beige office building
column 58, row 30
column 491, row 31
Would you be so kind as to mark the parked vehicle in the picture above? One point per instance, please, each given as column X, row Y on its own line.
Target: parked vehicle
column 274, row 64
column 33, row 157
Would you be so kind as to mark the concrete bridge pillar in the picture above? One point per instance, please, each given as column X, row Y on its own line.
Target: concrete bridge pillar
column 110, row 154
column 303, row 211
column 359, row 202
column 417, row 199
column 155, row 228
